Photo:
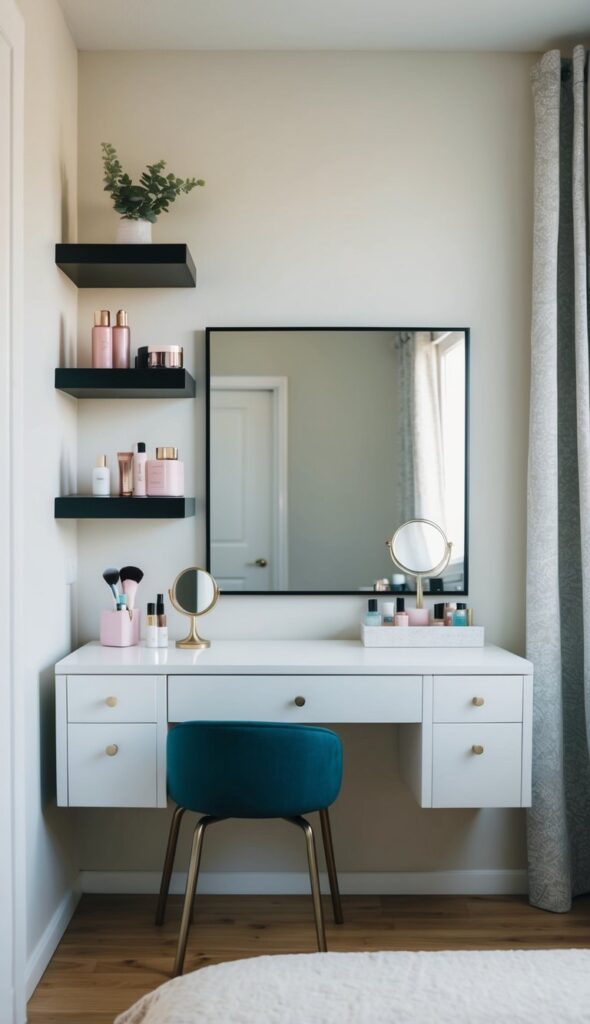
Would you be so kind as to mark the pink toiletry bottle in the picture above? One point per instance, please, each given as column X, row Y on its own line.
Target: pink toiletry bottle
column 121, row 342
column 102, row 340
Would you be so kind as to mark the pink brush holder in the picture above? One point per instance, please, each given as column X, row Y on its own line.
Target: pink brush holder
column 118, row 630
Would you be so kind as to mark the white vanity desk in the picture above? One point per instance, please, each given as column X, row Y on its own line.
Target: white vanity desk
column 465, row 715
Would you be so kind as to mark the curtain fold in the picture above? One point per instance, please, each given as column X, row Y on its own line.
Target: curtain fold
column 558, row 544
column 421, row 456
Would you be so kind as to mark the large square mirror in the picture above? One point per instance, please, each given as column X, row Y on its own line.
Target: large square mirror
column 321, row 442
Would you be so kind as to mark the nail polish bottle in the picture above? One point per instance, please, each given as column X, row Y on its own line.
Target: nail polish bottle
column 460, row 615
column 401, row 616
column 372, row 615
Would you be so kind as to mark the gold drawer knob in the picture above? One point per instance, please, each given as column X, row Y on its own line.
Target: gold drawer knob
column 300, row 701
column 111, row 702
column 477, row 748
column 478, row 701
column 112, row 749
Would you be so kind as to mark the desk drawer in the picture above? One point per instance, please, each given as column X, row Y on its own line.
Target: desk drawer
column 272, row 698
column 463, row 778
column 112, row 766
column 455, row 697
column 112, row 699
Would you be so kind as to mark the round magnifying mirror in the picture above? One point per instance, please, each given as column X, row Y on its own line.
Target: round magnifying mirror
column 420, row 548
column 194, row 592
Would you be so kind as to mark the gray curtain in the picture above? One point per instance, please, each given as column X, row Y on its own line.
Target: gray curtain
column 558, row 550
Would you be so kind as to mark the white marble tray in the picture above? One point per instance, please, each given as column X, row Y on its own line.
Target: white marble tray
column 423, row 636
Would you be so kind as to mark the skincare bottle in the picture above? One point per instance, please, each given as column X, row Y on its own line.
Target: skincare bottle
column 401, row 616
column 418, row 616
column 398, row 581
column 165, row 474
column 102, row 340
column 162, row 626
column 121, row 342
column 387, row 612
column 372, row 615
column 101, row 478
column 449, row 609
column 139, row 463
column 460, row 615
column 125, row 460
column 438, row 617
column 151, row 622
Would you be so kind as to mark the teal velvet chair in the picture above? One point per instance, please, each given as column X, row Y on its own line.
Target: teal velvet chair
column 251, row 770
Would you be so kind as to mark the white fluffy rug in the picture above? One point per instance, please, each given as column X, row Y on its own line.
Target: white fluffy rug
column 516, row 986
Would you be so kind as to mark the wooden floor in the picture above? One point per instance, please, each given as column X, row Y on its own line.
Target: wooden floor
column 112, row 954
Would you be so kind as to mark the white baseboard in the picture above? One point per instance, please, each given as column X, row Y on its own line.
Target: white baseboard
column 47, row 944
column 362, row 883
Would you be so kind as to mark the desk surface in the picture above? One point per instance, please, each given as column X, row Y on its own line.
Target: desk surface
column 297, row 657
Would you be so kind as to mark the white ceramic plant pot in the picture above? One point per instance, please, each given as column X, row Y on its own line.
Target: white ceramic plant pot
column 134, row 232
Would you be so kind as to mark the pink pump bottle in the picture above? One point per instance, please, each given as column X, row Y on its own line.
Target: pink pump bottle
column 121, row 342
column 102, row 340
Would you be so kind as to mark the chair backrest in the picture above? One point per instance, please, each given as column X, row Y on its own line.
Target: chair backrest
column 253, row 769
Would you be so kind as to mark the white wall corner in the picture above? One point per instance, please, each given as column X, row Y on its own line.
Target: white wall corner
column 49, row 941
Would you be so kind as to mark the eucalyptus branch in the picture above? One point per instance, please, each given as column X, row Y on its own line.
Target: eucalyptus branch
column 151, row 197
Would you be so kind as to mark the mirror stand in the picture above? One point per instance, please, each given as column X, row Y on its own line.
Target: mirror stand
column 192, row 640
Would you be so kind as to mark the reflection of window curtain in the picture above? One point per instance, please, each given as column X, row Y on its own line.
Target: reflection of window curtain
column 404, row 344
column 421, row 471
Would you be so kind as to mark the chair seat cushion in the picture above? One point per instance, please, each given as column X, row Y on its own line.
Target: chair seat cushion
column 253, row 769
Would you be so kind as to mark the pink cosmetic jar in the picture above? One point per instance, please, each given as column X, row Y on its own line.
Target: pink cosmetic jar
column 165, row 474
column 165, row 356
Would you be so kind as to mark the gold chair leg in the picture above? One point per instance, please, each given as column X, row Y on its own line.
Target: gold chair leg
column 191, row 887
column 314, row 879
column 331, row 864
column 168, row 863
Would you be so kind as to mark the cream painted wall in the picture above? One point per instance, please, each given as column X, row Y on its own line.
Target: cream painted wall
column 49, row 443
column 342, row 189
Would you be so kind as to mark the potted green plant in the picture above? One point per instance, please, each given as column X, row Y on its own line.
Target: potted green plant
column 140, row 205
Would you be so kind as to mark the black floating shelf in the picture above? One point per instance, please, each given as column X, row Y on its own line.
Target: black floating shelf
column 86, row 506
column 156, row 383
column 127, row 266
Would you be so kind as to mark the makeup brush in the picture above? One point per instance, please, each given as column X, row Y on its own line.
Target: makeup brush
column 111, row 578
column 131, row 577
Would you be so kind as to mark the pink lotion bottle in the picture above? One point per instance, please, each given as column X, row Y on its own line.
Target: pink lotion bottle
column 165, row 474
column 121, row 342
column 102, row 340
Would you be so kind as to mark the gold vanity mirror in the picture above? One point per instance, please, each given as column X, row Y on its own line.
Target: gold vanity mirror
column 194, row 593
column 420, row 548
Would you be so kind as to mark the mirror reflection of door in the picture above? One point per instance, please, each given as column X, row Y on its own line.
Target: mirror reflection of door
column 248, row 479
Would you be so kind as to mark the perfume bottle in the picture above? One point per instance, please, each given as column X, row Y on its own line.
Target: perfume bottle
column 460, row 615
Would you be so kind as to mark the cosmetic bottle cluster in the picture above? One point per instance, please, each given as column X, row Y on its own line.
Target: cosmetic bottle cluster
column 111, row 346
column 140, row 477
column 449, row 614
